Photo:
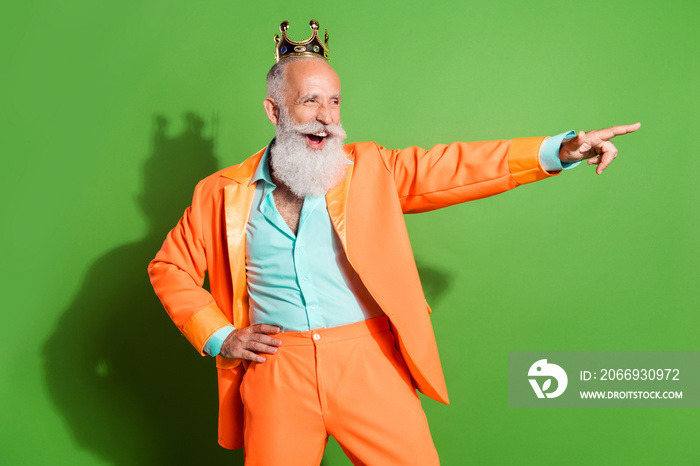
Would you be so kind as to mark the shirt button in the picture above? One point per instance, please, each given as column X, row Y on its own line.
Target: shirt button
column 304, row 279
column 317, row 336
column 312, row 309
column 298, row 248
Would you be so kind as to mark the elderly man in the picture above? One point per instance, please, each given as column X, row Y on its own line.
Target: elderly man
column 316, row 314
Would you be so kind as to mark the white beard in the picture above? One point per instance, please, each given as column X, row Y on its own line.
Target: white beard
column 305, row 171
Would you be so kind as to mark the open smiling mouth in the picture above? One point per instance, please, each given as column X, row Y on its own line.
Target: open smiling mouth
column 316, row 140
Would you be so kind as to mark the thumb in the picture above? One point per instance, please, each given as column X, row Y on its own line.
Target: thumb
column 582, row 143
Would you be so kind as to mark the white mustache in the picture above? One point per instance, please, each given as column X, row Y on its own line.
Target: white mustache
column 315, row 127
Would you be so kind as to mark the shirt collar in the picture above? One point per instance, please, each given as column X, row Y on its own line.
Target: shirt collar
column 262, row 172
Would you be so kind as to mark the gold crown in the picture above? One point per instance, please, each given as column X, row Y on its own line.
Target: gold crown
column 312, row 47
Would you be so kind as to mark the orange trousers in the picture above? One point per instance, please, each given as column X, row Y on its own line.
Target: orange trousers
column 349, row 382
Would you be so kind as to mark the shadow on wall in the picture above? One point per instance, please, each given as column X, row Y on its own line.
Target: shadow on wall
column 435, row 282
column 130, row 387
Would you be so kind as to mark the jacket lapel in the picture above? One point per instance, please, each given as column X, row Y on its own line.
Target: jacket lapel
column 238, row 197
column 337, row 201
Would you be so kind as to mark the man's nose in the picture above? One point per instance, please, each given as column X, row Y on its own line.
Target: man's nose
column 324, row 115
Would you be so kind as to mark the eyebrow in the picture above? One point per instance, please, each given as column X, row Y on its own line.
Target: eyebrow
column 315, row 96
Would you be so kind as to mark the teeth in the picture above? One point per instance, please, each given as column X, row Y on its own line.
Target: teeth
column 322, row 134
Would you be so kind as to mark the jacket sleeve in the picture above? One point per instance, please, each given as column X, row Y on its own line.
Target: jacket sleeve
column 177, row 275
column 462, row 171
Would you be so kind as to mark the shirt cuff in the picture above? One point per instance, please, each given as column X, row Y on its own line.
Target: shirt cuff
column 549, row 153
column 213, row 345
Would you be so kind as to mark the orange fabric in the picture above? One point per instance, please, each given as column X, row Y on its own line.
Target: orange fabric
column 520, row 163
column 199, row 328
column 366, row 210
column 349, row 382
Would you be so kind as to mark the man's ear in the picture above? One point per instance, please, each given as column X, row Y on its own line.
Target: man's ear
column 272, row 110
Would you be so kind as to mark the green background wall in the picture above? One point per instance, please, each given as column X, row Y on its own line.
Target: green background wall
column 111, row 111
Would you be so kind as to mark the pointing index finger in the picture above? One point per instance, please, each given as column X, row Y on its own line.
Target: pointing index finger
column 609, row 133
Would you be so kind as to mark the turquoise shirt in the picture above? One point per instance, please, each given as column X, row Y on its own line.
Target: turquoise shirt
column 304, row 281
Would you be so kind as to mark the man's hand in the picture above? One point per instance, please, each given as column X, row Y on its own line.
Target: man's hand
column 248, row 342
column 594, row 145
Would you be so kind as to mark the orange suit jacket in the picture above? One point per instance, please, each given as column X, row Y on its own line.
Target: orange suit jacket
column 366, row 210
